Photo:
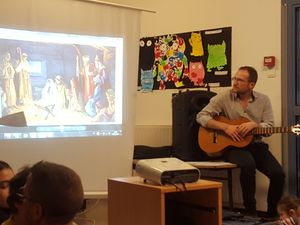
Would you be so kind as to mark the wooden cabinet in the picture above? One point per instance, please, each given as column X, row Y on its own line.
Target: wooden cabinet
column 131, row 201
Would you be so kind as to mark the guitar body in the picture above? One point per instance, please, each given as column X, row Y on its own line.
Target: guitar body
column 213, row 141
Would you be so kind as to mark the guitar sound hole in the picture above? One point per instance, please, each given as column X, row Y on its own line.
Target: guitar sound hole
column 215, row 137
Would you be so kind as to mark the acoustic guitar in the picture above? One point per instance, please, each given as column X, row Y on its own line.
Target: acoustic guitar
column 213, row 141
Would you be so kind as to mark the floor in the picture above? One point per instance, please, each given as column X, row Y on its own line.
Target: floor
column 237, row 218
column 96, row 214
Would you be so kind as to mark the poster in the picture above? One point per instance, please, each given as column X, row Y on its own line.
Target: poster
column 185, row 60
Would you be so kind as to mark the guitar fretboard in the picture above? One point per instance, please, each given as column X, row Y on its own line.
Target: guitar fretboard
column 271, row 130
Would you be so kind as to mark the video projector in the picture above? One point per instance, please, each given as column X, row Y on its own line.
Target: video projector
column 167, row 171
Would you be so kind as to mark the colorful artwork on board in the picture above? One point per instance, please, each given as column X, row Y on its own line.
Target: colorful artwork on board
column 185, row 60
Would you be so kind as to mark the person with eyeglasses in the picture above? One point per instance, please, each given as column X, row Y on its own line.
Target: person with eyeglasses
column 241, row 101
column 6, row 174
column 52, row 195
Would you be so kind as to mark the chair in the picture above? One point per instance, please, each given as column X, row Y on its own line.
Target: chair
column 149, row 152
column 218, row 166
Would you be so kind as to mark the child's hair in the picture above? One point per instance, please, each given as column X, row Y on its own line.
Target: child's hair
column 4, row 165
column 288, row 202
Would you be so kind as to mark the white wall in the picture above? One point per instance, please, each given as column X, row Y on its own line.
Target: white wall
column 256, row 32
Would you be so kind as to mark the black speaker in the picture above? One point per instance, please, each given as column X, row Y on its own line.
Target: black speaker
column 185, row 106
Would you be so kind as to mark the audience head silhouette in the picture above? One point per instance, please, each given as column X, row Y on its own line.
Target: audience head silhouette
column 53, row 194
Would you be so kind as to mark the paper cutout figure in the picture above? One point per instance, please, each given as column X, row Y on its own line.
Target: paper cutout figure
column 170, row 63
column 197, row 73
column 216, row 56
column 196, row 43
column 146, row 80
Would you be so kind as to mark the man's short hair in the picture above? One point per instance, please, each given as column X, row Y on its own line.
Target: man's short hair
column 58, row 189
column 252, row 73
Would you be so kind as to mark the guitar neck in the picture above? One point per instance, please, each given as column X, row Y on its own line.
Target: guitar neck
column 271, row 130
column 213, row 141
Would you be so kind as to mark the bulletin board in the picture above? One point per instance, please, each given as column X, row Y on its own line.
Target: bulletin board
column 185, row 60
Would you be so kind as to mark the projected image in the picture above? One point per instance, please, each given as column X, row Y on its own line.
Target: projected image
column 67, row 85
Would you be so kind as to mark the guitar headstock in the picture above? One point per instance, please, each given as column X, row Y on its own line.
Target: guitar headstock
column 296, row 129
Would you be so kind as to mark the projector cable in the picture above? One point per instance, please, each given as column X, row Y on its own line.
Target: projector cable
column 177, row 186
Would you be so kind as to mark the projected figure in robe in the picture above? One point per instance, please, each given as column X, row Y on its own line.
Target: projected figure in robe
column 107, row 113
column 98, row 99
column 73, row 96
column 88, row 74
column 61, row 93
column 25, row 89
column 3, row 111
column 48, row 92
column 8, row 74
column 101, row 83
column 55, row 98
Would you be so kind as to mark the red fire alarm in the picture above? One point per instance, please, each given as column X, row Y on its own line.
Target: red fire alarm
column 269, row 61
